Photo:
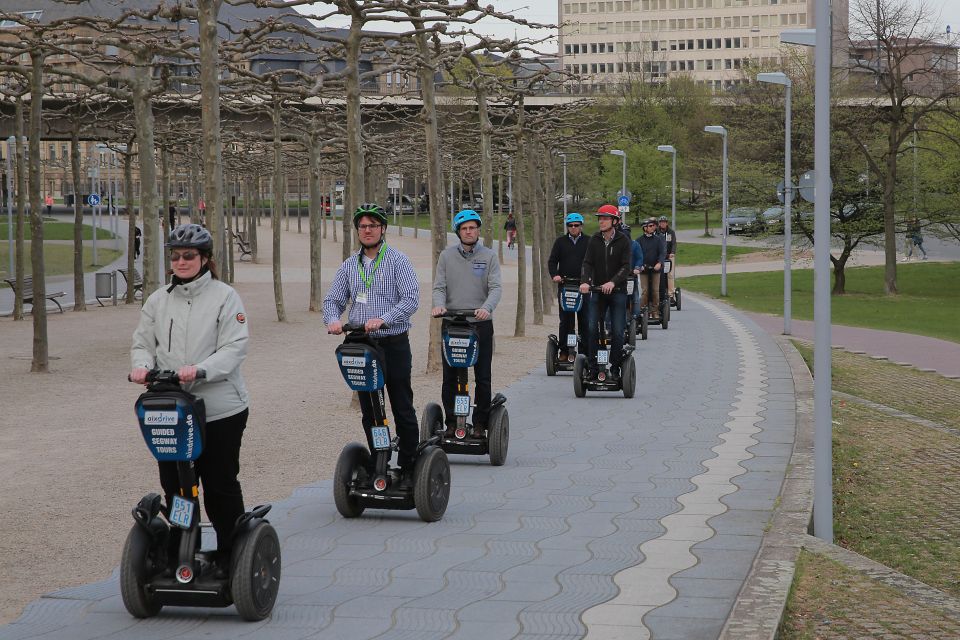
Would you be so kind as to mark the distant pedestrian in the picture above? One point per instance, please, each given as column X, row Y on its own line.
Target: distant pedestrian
column 136, row 242
column 510, row 226
column 173, row 215
column 915, row 238
column 49, row 202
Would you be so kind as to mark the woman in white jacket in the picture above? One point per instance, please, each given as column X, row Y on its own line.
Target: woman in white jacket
column 198, row 324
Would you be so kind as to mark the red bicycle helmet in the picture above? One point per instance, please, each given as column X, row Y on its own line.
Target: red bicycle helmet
column 608, row 210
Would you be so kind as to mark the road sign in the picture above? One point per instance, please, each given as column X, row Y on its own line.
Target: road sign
column 621, row 194
column 393, row 181
column 341, row 185
column 793, row 192
column 807, row 186
column 623, row 201
column 93, row 200
column 624, row 208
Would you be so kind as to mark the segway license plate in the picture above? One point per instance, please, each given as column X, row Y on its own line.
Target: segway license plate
column 380, row 437
column 630, row 285
column 667, row 265
column 603, row 357
column 461, row 405
column 181, row 513
column 571, row 339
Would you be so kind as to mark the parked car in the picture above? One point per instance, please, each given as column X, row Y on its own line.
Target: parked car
column 407, row 205
column 744, row 220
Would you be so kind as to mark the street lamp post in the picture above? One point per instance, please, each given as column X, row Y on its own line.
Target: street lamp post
column 623, row 180
column 721, row 131
column 564, row 156
column 782, row 79
column 822, row 38
column 669, row 148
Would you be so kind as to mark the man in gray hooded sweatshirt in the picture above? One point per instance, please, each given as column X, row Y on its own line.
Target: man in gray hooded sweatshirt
column 468, row 277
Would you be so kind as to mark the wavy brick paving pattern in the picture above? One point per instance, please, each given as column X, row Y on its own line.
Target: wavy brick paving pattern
column 591, row 491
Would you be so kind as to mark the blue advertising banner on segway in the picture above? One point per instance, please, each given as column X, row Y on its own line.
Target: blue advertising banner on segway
column 172, row 426
column 460, row 346
column 571, row 299
column 360, row 367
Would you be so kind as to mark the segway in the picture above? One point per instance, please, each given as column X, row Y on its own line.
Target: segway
column 460, row 349
column 600, row 381
column 158, row 570
column 664, row 307
column 363, row 477
column 571, row 300
column 675, row 301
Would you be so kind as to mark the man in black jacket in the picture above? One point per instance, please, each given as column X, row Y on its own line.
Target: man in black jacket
column 566, row 261
column 669, row 236
column 654, row 253
column 607, row 265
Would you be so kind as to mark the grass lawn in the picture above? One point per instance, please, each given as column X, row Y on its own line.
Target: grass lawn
column 692, row 254
column 58, row 231
column 58, row 259
column 929, row 302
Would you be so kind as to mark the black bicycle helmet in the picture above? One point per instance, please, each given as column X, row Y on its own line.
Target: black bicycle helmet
column 192, row 236
column 371, row 209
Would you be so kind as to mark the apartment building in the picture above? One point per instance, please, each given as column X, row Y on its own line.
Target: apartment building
column 609, row 42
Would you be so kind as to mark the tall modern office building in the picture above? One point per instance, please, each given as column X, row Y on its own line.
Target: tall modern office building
column 609, row 42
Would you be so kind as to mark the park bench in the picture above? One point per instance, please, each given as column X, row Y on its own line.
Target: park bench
column 137, row 281
column 243, row 246
column 28, row 291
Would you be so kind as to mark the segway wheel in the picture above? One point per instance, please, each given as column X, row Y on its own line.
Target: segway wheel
column 431, row 421
column 665, row 315
column 498, row 436
column 136, row 568
column 632, row 331
column 551, row 360
column 676, row 297
column 628, row 379
column 578, row 366
column 432, row 484
column 644, row 324
column 255, row 578
column 353, row 459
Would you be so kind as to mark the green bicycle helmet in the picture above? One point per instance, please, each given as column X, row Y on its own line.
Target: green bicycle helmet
column 372, row 210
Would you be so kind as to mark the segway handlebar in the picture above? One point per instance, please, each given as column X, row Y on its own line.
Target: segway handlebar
column 166, row 375
column 570, row 281
column 360, row 328
column 458, row 313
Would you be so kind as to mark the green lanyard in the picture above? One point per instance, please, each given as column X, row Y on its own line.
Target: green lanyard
column 368, row 280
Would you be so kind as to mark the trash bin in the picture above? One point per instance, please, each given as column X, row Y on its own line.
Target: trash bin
column 105, row 285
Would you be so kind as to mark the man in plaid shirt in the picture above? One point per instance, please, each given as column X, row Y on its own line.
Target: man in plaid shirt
column 383, row 288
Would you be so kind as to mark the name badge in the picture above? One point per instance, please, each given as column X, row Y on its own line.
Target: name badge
column 362, row 297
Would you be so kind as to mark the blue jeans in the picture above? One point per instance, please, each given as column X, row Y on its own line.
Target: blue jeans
column 599, row 303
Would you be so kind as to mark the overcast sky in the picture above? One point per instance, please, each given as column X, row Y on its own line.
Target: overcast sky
column 545, row 11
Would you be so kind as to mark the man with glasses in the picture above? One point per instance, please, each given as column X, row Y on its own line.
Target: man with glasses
column 566, row 261
column 654, row 253
column 670, row 238
column 383, row 288
column 468, row 277
column 607, row 265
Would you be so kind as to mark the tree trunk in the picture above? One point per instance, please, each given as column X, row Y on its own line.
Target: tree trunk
column 277, row 208
column 519, row 329
column 889, row 220
column 40, row 362
column 548, row 231
column 207, row 11
column 438, row 231
column 21, row 171
column 299, row 201
column 486, row 163
column 355, row 157
column 131, row 222
column 839, row 273
column 79, row 288
column 501, row 198
column 532, row 189
column 165, row 202
column 316, row 215
column 143, row 113
column 228, row 236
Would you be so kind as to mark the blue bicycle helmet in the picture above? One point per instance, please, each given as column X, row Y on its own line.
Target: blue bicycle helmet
column 573, row 217
column 465, row 216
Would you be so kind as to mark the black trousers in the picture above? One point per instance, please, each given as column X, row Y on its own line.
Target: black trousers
column 217, row 468
column 483, row 387
column 568, row 319
column 397, row 369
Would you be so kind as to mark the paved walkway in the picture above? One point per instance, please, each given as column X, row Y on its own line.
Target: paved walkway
column 612, row 518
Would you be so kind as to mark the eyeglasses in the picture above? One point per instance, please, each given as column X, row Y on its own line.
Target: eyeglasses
column 368, row 227
column 470, row 228
column 575, row 224
column 186, row 255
